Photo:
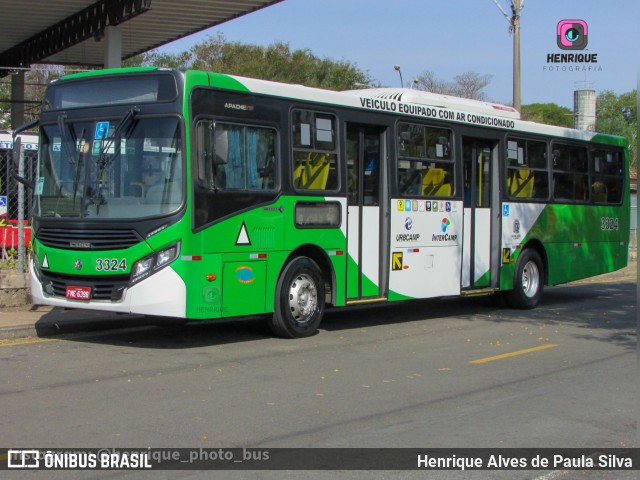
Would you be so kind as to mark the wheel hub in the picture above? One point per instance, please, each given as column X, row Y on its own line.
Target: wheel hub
column 530, row 279
column 303, row 298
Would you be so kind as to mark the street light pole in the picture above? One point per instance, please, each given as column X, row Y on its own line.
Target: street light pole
column 514, row 27
column 516, row 8
column 397, row 69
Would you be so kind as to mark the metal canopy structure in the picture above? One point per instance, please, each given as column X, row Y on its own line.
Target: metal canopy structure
column 71, row 32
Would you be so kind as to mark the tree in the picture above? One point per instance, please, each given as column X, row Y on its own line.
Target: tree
column 467, row 85
column 470, row 85
column 618, row 115
column 5, row 106
column 276, row 62
column 35, row 80
column 548, row 113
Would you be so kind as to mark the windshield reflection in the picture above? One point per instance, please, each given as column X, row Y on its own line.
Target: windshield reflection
column 127, row 168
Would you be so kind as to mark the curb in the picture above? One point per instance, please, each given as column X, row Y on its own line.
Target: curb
column 57, row 325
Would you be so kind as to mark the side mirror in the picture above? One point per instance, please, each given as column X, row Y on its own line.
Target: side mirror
column 17, row 149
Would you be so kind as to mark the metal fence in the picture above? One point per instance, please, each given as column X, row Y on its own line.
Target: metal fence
column 15, row 242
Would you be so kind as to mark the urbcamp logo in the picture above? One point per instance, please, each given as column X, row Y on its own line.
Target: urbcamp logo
column 408, row 237
column 445, row 223
column 408, row 223
column 572, row 35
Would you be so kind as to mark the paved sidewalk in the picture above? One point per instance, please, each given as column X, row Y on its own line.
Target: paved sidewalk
column 44, row 321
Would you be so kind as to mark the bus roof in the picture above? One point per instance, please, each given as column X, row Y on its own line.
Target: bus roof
column 406, row 102
column 412, row 103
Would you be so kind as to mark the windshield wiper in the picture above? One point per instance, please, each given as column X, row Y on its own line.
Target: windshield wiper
column 125, row 125
column 74, row 156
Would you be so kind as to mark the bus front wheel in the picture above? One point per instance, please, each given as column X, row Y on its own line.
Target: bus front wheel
column 299, row 301
column 528, row 281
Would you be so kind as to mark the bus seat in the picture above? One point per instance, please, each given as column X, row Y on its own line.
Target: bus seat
column 599, row 192
column 434, row 184
column 521, row 183
column 139, row 185
column 313, row 173
column 443, row 190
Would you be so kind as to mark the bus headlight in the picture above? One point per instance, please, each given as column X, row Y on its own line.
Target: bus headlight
column 154, row 262
column 36, row 264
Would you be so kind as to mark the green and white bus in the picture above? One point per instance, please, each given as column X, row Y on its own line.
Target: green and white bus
column 203, row 196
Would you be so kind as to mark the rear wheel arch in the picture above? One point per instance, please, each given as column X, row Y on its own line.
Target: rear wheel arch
column 528, row 280
column 538, row 247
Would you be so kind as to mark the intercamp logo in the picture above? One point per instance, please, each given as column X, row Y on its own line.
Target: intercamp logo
column 572, row 34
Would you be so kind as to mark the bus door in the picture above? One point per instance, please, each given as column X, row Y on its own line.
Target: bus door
column 365, row 154
column 480, row 262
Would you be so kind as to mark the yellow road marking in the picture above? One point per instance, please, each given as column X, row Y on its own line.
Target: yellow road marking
column 514, row 354
column 28, row 341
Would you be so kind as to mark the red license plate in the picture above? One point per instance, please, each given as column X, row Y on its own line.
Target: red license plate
column 79, row 293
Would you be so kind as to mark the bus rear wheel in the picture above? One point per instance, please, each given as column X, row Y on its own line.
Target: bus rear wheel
column 299, row 301
column 528, row 281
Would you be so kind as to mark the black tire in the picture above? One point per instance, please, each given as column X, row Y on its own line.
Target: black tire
column 299, row 301
column 528, row 281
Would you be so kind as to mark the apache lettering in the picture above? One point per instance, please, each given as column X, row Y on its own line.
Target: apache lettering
column 405, row 237
column 446, row 237
column 239, row 106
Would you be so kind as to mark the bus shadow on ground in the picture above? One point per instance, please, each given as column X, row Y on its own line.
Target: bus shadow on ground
column 607, row 312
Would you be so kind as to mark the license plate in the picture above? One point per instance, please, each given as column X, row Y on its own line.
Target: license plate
column 78, row 293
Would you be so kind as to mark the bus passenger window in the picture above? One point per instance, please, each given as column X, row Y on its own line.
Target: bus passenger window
column 425, row 165
column 570, row 173
column 606, row 175
column 315, row 151
column 235, row 157
column 527, row 174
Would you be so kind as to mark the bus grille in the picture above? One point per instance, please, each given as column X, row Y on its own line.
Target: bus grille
column 102, row 288
column 88, row 239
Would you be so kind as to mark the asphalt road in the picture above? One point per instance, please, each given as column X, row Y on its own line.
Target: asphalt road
column 444, row 373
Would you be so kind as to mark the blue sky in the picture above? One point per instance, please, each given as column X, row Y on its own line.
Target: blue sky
column 450, row 37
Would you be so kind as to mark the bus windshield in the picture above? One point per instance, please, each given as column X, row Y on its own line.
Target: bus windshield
column 124, row 168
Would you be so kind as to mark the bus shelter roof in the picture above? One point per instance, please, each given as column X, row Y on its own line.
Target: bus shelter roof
column 70, row 32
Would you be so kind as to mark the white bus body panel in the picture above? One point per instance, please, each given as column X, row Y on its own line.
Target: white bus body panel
column 426, row 248
column 163, row 294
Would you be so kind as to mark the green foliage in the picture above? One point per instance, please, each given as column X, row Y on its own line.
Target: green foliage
column 618, row 115
column 548, row 113
column 5, row 107
column 276, row 62
column 35, row 81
